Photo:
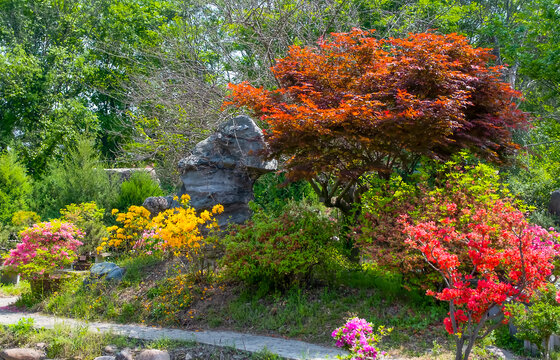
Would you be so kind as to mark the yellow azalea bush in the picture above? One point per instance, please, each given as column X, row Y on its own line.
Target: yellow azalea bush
column 133, row 224
column 177, row 230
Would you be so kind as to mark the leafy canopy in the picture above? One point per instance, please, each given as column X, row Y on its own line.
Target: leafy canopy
column 355, row 104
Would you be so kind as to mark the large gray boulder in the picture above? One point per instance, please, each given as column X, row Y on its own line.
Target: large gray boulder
column 223, row 168
column 554, row 204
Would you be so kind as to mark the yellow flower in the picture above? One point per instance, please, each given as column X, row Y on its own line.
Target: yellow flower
column 218, row 209
column 114, row 211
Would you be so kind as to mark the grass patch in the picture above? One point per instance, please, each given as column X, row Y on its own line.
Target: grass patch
column 65, row 342
column 7, row 290
column 62, row 341
column 136, row 268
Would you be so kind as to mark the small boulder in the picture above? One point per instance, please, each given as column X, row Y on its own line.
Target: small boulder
column 157, row 204
column 21, row 354
column 554, row 204
column 107, row 271
column 110, row 349
column 124, row 355
column 153, row 355
column 106, row 357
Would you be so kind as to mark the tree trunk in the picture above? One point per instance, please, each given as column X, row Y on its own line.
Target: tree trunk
column 469, row 347
column 546, row 348
column 459, row 342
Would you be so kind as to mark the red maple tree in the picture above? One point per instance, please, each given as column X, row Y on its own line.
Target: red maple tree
column 488, row 255
column 355, row 104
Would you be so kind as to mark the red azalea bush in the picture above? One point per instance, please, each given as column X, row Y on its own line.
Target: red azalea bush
column 488, row 255
column 44, row 248
column 380, row 234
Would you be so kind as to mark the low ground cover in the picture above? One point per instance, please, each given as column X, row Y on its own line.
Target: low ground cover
column 308, row 314
column 64, row 342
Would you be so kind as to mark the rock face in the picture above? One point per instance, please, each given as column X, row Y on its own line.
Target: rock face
column 21, row 354
column 223, row 168
column 554, row 204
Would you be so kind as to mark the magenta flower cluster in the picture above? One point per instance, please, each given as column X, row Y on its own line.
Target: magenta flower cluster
column 358, row 338
column 45, row 247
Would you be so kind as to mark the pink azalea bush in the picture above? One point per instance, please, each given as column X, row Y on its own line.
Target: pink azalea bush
column 358, row 338
column 45, row 247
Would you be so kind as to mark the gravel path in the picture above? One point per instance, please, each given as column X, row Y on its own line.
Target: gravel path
column 290, row 349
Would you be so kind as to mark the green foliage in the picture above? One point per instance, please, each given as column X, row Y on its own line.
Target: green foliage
column 285, row 249
column 272, row 191
column 20, row 220
column 23, row 328
column 14, row 290
column 538, row 321
column 15, row 186
column 502, row 338
column 537, row 172
column 78, row 178
column 88, row 218
column 136, row 267
column 135, row 190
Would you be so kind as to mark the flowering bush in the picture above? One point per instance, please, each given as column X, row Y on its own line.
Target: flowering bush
column 380, row 236
column 9, row 233
column 487, row 255
column 358, row 338
column 44, row 248
column 178, row 230
column 133, row 224
column 24, row 219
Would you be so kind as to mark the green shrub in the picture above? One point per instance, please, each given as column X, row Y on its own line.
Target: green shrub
column 88, row 218
column 78, row 178
column 272, row 191
column 283, row 250
column 135, row 190
column 538, row 321
column 15, row 186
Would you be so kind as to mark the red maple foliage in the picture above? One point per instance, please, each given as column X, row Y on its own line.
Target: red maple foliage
column 355, row 104
column 488, row 255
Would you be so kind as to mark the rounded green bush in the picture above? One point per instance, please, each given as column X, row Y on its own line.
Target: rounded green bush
column 282, row 250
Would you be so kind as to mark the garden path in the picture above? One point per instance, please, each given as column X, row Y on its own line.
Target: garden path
column 290, row 349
